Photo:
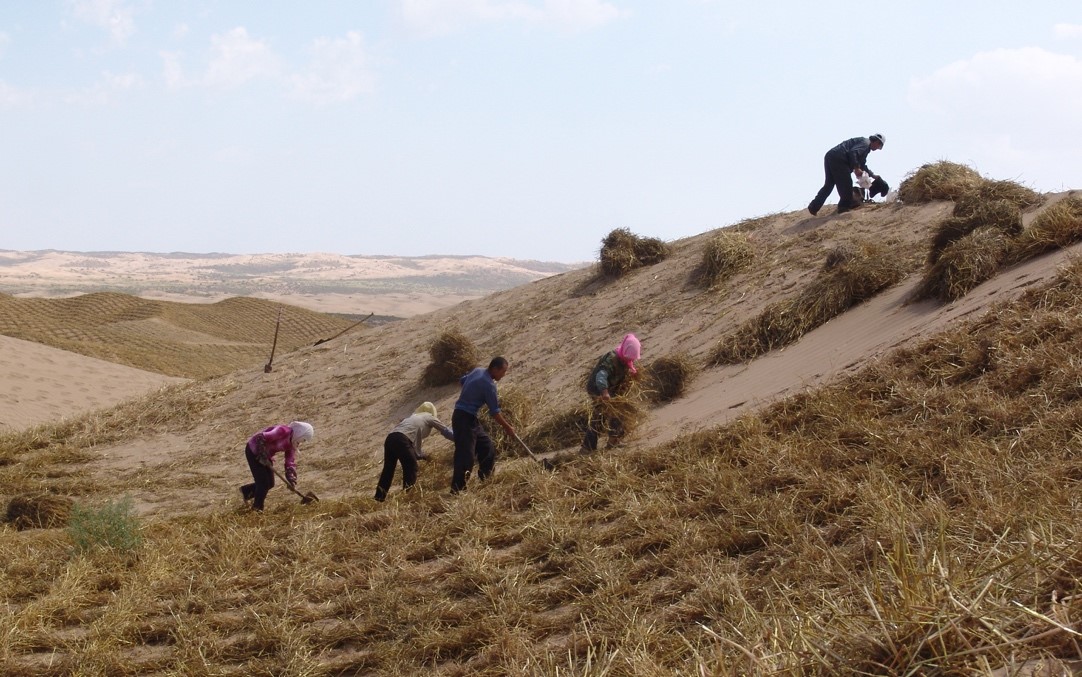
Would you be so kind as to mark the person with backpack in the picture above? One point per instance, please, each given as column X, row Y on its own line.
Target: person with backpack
column 605, row 381
column 839, row 164
column 403, row 445
column 260, row 451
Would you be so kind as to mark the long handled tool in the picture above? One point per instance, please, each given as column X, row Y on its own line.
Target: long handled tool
column 355, row 324
column 545, row 463
column 267, row 368
column 305, row 498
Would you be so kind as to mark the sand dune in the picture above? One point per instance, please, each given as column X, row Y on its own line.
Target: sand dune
column 46, row 385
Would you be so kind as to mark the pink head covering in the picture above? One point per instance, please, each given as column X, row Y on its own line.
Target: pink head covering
column 630, row 350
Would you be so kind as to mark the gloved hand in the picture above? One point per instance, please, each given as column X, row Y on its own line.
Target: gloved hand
column 449, row 434
column 291, row 475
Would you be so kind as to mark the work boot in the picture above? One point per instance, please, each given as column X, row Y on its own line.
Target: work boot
column 247, row 492
column 812, row 208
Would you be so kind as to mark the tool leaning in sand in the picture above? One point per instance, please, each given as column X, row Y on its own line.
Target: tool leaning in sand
column 305, row 498
column 278, row 323
column 545, row 463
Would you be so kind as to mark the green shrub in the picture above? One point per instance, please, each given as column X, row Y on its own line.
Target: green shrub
column 113, row 525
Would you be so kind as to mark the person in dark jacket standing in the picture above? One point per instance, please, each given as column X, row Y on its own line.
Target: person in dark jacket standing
column 403, row 445
column 605, row 380
column 471, row 439
column 839, row 164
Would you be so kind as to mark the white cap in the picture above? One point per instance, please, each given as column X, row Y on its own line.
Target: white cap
column 302, row 432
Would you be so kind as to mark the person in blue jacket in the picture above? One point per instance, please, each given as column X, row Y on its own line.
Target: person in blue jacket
column 839, row 165
column 471, row 439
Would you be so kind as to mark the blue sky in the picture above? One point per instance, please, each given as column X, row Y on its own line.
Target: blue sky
column 520, row 128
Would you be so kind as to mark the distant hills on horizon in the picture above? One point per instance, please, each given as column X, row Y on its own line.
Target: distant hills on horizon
column 216, row 275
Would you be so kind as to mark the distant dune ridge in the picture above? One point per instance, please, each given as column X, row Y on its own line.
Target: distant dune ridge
column 398, row 286
column 892, row 489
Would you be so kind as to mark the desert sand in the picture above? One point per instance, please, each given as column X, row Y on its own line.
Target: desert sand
column 46, row 385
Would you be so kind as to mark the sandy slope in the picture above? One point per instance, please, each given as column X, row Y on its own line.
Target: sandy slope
column 355, row 389
column 43, row 384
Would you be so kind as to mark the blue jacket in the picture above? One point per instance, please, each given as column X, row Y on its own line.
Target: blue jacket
column 478, row 389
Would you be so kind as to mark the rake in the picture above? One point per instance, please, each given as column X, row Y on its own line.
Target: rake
column 305, row 498
column 545, row 463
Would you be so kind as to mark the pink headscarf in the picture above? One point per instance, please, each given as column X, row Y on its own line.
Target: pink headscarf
column 630, row 350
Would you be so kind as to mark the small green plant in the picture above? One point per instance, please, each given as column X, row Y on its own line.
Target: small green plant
column 113, row 525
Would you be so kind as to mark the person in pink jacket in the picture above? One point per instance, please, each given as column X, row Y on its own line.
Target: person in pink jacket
column 260, row 452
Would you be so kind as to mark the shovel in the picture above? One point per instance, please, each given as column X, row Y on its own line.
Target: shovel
column 305, row 498
column 545, row 463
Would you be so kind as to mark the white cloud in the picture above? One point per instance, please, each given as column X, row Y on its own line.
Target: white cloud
column 438, row 17
column 112, row 15
column 339, row 71
column 237, row 58
column 1068, row 30
column 1019, row 107
column 1003, row 83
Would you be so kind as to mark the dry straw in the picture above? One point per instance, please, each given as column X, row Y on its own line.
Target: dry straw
column 627, row 407
column 724, row 254
column 516, row 406
column 39, row 511
column 558, row 430
column 1002, row 215
column 938, row 181
column 990, row 190
column 667, row 377
column 847, row 278
column 622, row 251
column 964, row 264
column 1057, row 226
column 453, row 354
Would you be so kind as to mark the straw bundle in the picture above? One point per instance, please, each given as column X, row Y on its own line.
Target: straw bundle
column 41, row 511
column 1002, row 215
column 627, row 408
column 453, row 354
column 938, row 181
column 667, row 377
column 517, row 409
column 991, row 191
column 623, row 251
column 723, row 255
column 559, row 431
column 1056, row 227
column 964, row 264
column 849, row 277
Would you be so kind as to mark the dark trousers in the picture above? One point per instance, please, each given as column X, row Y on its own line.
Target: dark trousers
column 598, row 424
column 837, row 175
column 471, row 441
column 397, row 448
column 264, row 480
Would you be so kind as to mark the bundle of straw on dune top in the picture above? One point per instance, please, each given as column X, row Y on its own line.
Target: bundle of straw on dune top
column 40, row 511
column 1056, row 227
column 723, row 255
column 964, row 264
column 991, row 191
column 667, row 378
column 1002, row 215
column 849, row 277
column 453, row 354
column 622, row 251
column 938, row 181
